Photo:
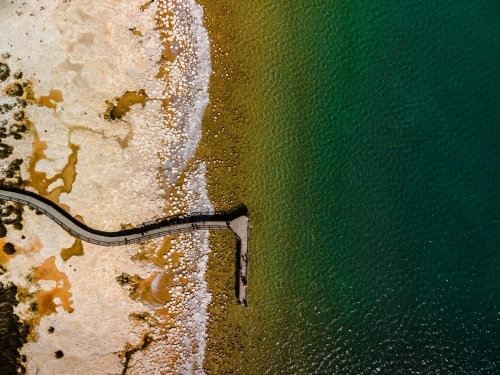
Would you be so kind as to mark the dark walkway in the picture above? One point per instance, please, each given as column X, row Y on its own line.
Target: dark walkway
column 236, row 221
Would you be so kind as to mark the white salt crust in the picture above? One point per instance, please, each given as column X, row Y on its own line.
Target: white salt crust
column 86, row 49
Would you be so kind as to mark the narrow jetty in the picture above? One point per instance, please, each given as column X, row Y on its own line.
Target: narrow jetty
column 241, row 227
column 237, row 221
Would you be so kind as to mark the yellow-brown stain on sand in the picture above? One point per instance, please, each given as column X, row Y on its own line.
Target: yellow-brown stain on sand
column 74, row 250
column 49, row 101
column 46, row 304
column 155, row 289
column 39, row 180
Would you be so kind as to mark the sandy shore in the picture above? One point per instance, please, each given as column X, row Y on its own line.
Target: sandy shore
column 111, row 97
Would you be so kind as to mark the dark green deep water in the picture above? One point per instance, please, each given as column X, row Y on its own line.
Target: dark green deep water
column 375, row 190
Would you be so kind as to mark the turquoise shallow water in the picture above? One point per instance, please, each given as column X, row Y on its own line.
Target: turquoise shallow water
column 376, row 193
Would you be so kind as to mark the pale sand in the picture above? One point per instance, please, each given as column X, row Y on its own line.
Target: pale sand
column 94, row 52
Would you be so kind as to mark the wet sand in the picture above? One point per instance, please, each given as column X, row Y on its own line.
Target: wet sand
column 222, row 146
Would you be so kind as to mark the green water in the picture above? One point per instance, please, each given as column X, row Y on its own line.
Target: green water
column 374, row 157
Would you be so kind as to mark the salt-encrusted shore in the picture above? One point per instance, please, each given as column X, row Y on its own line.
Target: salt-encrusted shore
column 113, row 94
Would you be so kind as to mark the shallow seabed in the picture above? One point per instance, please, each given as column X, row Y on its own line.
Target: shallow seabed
column 369, row 144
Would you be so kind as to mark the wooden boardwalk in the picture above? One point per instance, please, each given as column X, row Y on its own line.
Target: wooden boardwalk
column 148, row 230
column 241, row 226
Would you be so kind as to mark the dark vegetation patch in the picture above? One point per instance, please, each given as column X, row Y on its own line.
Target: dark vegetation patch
column 17, row 131
column 22, row 103
column 4, row 71
column 5, row 150
column 15, row 89
column 129, row 282
column 59, row 354
column 19, row 116
column 17, row 225
column 3, row 132
column 11, row 213
column 13, row 333
column 14, row 168
column 6, row 107
column 51, row 330
column 9, row 249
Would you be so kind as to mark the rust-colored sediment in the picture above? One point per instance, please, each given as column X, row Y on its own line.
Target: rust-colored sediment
column 49, row 101
column 161, row 295
column 79, row 218
column 124, row 102
column 48, row 271
column 4, row 258
column 158, row 256
column 39, row 181
column 74, row 250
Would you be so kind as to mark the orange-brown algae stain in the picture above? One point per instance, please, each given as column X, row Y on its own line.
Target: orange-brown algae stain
column 4, row 258
column 146, row 5
column 46, row 304
column 74, row 250
column 49, row 101
column 176, row 258
column 39, row 148
column 56, row 95
column 124, row 102
column 46, row 102
column 39, row 181
column 145, row 292
column 150, row 253
column 80, row 219
column 169, row 317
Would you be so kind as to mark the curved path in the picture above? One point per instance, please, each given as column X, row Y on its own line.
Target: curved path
column 236, row 221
